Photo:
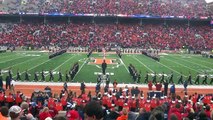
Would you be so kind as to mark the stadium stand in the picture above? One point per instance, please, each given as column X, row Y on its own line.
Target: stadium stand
column 113, row 101
column 186, row 8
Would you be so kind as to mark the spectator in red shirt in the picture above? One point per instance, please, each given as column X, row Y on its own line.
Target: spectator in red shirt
column 44, row 114
column 158, row 86
column 150, row 85
column 53, row 111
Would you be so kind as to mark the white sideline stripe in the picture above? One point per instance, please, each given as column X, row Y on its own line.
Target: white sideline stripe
column 143, row 64
column 124, row 65
column 35, row 66
column 61, row 65
column 80, row 68
column 182, row 65
column 94, row 84
column 170, row 69
column 13, row 59
column 22, row 62
column 195, row 63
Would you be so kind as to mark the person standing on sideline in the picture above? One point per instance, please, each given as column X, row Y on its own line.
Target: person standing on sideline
column 10, row 73
column 12, row 86
column 165, row 87
column 104, row 66
column 185, row 85
column 65, row 87
column 8, row 81
column 83, row 86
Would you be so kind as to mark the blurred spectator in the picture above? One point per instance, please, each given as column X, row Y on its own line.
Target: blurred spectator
column 44, row 114
column 93, row 110
column 4, row 113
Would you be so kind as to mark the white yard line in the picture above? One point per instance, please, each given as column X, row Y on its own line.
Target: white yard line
column 80, row 68
column 22, row 62
column 195, row 63
column 182, row 65
column 144, row 64
column 60, row 65
column 13, row 59
column 124, row 65
column 35, row 66
column 7, row 56
column 171, row 69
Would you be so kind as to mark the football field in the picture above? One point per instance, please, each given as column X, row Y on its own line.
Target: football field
column 89, row 68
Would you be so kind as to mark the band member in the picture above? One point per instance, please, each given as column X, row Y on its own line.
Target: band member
column 27, row 76
column 51, row 76
column 190, row 79
column 146, row 77
column 205, row 79
column 197, row 81
column 67, row 76
column 1, row 82
column 18, row 75
column 162, row 78
column 104, row 66
column 42, row 76
column 154, row 80
column 35, row 76
column 171, row 78
column 139, row 77
column 211, row 80
column 60, row 76
column 180, row 79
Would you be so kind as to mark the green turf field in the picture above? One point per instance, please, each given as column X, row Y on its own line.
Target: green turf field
column 36, row 61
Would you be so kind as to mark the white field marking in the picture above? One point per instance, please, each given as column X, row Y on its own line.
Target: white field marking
column 124, row 65
column 97, row 66
column 99, row 73
column 8, row 56
column 171, row 69
column 163, row 54
column 182, row 65
column 60, row 65
column 36, row 66
column 143, row 64
column 195, row 63
column 80, row 68
column 22, row 62
column 13, row 59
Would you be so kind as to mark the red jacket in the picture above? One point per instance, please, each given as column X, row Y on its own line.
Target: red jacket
column 53, row 112
column 150, row 85
column 2, row 97
column 176, row 112
column 44, row 115
column 158, row 86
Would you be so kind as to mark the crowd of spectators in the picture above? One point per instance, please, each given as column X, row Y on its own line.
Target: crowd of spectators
column 157, row 36
column 189, row 8
column 117, row 103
